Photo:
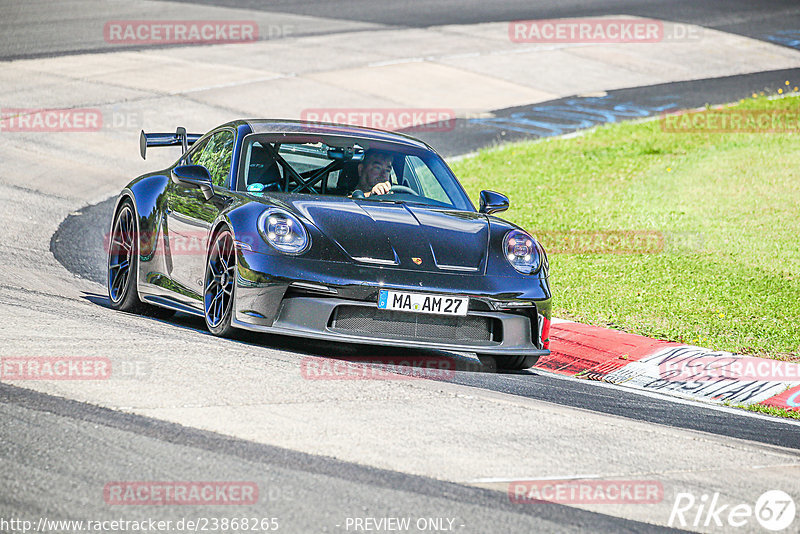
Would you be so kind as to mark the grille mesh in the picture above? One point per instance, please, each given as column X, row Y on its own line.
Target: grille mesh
column 373, row 322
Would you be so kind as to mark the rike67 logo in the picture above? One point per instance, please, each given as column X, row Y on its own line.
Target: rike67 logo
column 774, row 510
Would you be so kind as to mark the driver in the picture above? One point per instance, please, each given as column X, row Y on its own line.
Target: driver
column 374, row 173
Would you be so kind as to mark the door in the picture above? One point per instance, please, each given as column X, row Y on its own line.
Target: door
column 190, row 215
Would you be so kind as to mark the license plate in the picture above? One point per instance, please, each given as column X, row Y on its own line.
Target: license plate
column 422, row 303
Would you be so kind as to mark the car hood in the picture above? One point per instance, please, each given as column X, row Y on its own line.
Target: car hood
column 410, row 236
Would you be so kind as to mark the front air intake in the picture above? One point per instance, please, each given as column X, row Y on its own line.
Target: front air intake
column 373, row 322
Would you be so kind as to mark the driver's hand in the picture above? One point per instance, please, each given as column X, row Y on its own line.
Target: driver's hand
column 381, row 188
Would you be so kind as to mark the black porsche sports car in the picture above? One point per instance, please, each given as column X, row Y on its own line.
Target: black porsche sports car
column 260, row 225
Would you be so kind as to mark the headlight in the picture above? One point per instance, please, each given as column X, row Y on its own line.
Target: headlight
column 283, row 231
column 522, row 252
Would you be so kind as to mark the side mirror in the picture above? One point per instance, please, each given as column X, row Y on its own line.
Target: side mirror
column 492, row 202
column 194, row 175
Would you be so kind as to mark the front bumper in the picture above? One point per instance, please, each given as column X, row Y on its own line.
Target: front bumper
column 299, row 297
column 310, row 317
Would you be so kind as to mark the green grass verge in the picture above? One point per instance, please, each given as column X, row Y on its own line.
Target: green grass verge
column 771, row 410
column 726, row 205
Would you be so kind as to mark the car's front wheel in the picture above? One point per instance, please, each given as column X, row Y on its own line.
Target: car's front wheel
column 515, row 363
column 220, row 284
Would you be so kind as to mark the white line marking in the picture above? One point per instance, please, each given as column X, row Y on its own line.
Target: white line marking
column 396, row 61
column 504, row 479
column 622, row 476
column 232, row 84
column 677, row 400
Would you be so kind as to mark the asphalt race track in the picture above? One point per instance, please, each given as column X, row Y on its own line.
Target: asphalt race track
column 324, row 454
column 302, row 490
column 78, row 244
column 45, row 31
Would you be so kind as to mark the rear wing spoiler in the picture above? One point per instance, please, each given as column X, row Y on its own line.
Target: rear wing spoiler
column 179, row 138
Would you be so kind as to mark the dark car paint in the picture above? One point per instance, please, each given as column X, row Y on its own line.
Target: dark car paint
column 459, row 252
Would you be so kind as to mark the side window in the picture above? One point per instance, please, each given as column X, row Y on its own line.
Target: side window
column 216, row 156
column 262, row 172
column 194, row 153
column 431, row 187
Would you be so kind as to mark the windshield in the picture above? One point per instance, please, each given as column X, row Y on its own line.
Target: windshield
column 415, row 175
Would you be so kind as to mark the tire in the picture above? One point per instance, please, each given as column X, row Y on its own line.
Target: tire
column 123, row 266
column 515, row 363
column 219, row 285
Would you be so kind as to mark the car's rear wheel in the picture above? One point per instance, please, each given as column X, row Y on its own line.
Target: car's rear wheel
column 123, row 266
column 220, row 284
column 515, row 363
column 122, row 251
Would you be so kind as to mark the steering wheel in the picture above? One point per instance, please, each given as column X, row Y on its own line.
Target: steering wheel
column 397, row 188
